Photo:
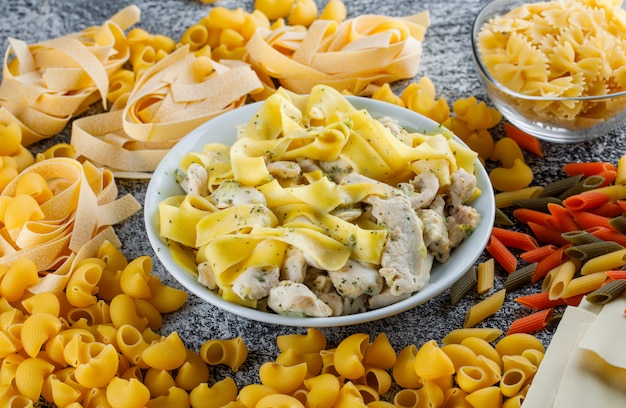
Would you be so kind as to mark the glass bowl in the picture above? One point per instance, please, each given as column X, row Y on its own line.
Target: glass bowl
column 558, row 119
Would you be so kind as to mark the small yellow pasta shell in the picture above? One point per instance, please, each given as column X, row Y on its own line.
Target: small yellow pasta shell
column 230, row 352
column 380, row 353
column 513, row 380
column 176, row 397
column 21, row 275
column 534, row 356
column 37, row 330
column 406, row 398
column 334, row 10
column 127, row 393
column 60, row 392
column 472, row 378
column 403, row 370
column 368, row 394
column 251, row 394
column 114, row 259
column 349, row 396
column 304, row 12
column 489, row 397
column 82, row 285
column 34, row 185
column 218, row 395
column 348, row 357
column 8, row 367
column 109, row 285
column 158, row 381
column 20, row 209
column 323, row 390
column 96, row 397
column 9, row 343
column 514, row 402
column 147, row 310
column 483, row 348
column 455, row 398
column 105, row 333
column 312, row 342
column 131, row 343
column 29, row 376
column 165, row 299
column 284, row 379
column 44, row 302
column 55, row 346
column 512, row 178
column 135, row 276
column 100, row 368
column 168, row 354
column 380, row 404
column 431, row 362
column 76, row 351
column 279, row 401
column 193, row 372
column 516, row 343
column 11, row 135
column 377, row 378
column 460, row 355
column 124, row 312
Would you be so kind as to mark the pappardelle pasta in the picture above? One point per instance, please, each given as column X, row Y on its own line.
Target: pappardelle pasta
column 320, row 209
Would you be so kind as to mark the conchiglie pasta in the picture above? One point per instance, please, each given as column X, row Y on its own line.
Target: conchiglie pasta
column 380, row 353
column 312, row 342
column 37, row 330
column 460, row 355
column 323, row 390
column 135, row 276
column 44, row 302
column 403, row 370
column 21, row 275
column 82, row 285
column 279, row 401
column 376, row 378
column 230, row 352
column 489, row 397
column 34, row 185
column 284, row 379
column 483, row 348
column 29, row 376
column 131, row 343
column 517, row 343
column 158, row 381
column 100, row 368
column 127, row 393
column 59, row 392
column 251, row 394
column 349, row 397
column 192, row 372
column 431, row 362
column 124, row 312
column 218, row 395
column 176, row 397
column 165, row 298
column 168, row 354
column 348, row 357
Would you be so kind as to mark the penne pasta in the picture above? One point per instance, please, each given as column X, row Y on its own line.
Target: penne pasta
column 482, row 310
column 580, row 237
column 525, row 140
column 618, row 223
column 537, row 203
column 547, row 234
column 539, row 253
column 520, row 277
column 527, row 215
column 620, row 177
column 561, row 218
column 514, row 239
column 458, row 335
column 607, row 234
column 560, row 279
column 584, row 284
column 501, row 254
column 605, row 262
column 586, row 201
column 548, row 263
column 507, row 198
column 607, row 292
column 558, row 187
column 485, row 276
column 463, row 285
column 532, row 323
column 614, row 275
column 538, row 301
column 587, row 169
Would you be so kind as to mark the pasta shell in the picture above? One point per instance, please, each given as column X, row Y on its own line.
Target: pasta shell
column 513, row 380
column 29, row 376
column 279, row 401
column 21, row 209
column 431, row 362
column 146, row 310
column 158, row 381
column 349, row 397
column 534, row 356
column 44, row 302
column 176, row 397
column 349, row 354
column 124, row 312
column 135, row 276
column 59, row 392
column 193, row 372
column 455, row 398
column 220, row 394
column 37, row 330
column 407, row 398
column 460, row 355
column 482, row 348
column 489, row 397
column 131, row 344
column 378, row 379
column 323, row 390
column 9, row 343
column 21, row 275
column 313, row 342
column 127, row 393
column 11, row 136
column 165, row 299
column 251, row 394
column 516, row 343
column 232, row 352
column 100, row 368
column 114, row 259
column 34, row 185
column 284, row 379
column 168, row 354
column 8, row 367
column 380, row 353
column 403, row 370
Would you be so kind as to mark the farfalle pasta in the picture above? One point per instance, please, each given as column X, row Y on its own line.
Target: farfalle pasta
column 281, row 194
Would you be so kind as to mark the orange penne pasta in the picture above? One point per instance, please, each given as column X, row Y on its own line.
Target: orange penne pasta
column 574, row 300
column 515, row 239
column 525, row 140
column 586, row 200
column 501, row 254
column 539, row 301
column 614, row 275
column 547, row 235
column 527, row 215
column 607, row 234
column 587, row 168
column 622, row 203
column 539, row 253
column 609, row 209
column 562, row 218
column 548, row 263
column 531, row 323
column 588, row 220
column 608, row 175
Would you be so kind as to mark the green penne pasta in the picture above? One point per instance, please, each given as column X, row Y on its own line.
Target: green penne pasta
column 592, row 249
column 464, row 285
column 558, row 187
column 607, row 292
column 580, row 237
column 587, row 184
column 520, row 277
column 502, row 219
column 537, row 204
column 619, row 223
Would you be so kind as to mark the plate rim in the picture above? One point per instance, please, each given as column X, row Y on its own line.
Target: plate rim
column 165, row 171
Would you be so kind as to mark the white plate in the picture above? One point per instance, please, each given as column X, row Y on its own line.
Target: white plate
column 222, row 129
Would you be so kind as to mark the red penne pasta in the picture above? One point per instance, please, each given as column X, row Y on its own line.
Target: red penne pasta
column 502, row 255
column 526, row 215
column 539, row 253
column 609, row 177
column 587, row 200
column 587, row 168
column 574, row 300
column 531, row 323
column 562, row 218
column 617, row 274
column 515, row 239
column 549, row 262
column 538, row 301
column 607, row 234
column 589, row 220
column 622, row 203
column 547, row 235
column 524, row 140
column 610, row 209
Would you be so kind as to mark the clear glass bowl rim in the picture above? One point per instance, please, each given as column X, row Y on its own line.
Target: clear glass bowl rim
column 477, row 24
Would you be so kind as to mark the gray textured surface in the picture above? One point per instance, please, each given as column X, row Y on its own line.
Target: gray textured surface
column 446, row 60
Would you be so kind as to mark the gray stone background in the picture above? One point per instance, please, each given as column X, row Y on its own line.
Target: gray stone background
column 446, row 60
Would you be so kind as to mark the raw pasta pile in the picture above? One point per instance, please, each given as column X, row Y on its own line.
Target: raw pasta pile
column 560, row 48
column 320, row 198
